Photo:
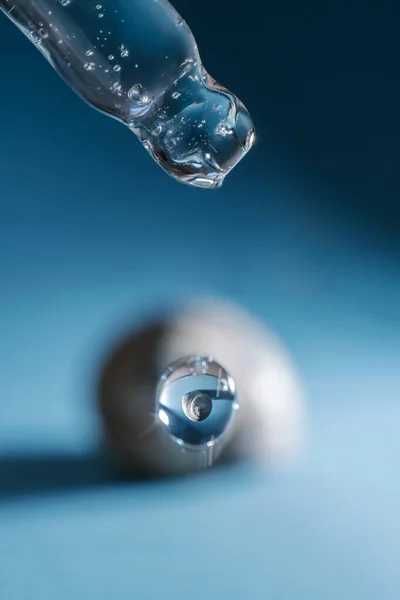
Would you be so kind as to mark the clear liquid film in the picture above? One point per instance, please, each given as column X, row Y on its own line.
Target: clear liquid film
column 137, row 61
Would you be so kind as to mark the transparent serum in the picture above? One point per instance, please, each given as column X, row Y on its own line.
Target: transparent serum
column 137, row 61
column 196, row 404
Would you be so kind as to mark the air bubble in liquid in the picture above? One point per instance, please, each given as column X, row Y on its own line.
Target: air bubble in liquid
column 124, row 52
column 116, row 88
column 35, row 38
column 196, row 402
column 224, row 129
column 140, row 100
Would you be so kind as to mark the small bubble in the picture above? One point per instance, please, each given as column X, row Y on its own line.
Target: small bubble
column 216, row 107
column 147, row 145
column 158, row 130
column 89, row 66
column 136, row 66
column 65, row 2
column 223, row 130
column 180, row 23
column 98, row 7
column 124, row 51
column 176, row 95
column 138, row 95
column 43, row 33
column 111, row 57
column 35, row 37
column 116, row 88
column 117, row 68
column 101, row 15
column 89, row 53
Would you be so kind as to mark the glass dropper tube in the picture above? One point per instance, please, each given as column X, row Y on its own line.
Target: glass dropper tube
column 137, row 61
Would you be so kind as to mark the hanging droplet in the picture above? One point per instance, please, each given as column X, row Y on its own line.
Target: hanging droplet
column 196, row 401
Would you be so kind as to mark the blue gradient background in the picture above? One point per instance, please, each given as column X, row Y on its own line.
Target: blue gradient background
column 305, row 233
